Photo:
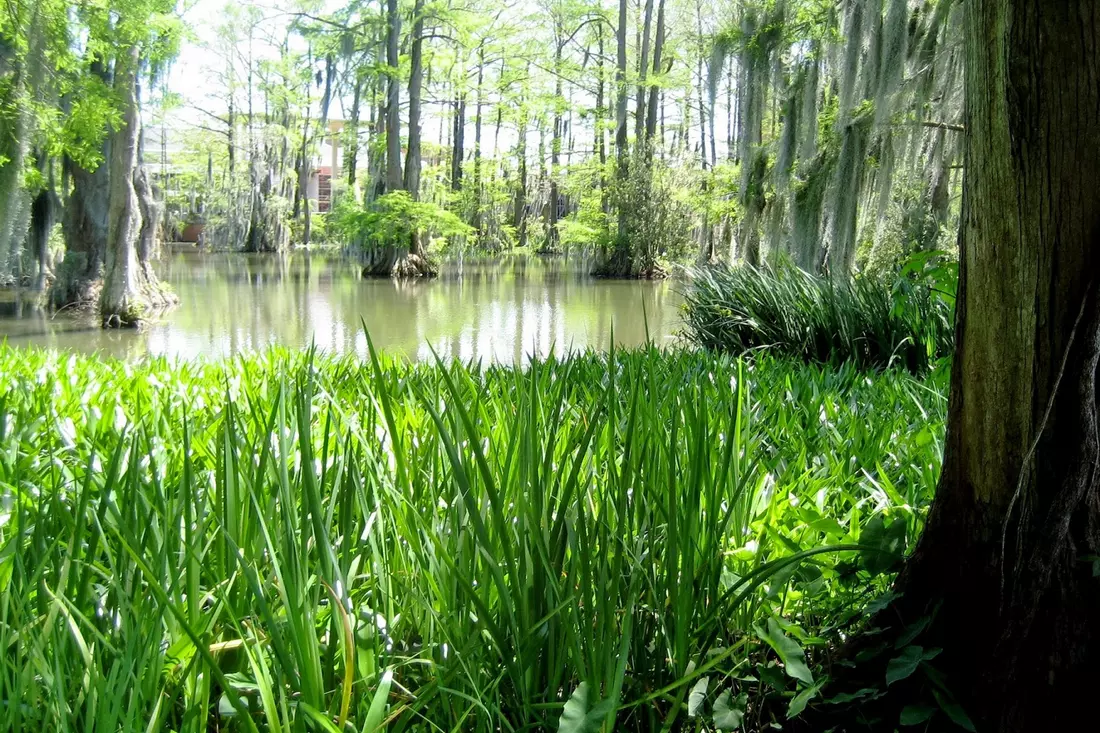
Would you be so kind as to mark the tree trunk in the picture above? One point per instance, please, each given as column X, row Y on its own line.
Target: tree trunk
column 416, row 80
column 305, row 165
column 44, row 212
column 643, row 69
column 475, row 218
column 394, row 179
column 457, row 152
column 621, row 153
column 699, row 74
column 16, row 144
column 551, row 243
column 519, row 213
column 598, row 123
column 351, row 138
column 651, row 113
column 85, row 224
column 126, row 289
column 1009, row 551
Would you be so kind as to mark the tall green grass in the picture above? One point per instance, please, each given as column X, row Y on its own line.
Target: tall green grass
column 867, row 321
column 291, row 542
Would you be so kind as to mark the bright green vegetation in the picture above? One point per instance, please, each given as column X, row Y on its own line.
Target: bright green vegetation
column 871, row 322
column 443, row 548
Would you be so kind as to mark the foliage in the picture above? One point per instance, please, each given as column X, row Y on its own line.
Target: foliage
column 654, row 212
column 392, row 220
column 289, row 541
column 869, row 321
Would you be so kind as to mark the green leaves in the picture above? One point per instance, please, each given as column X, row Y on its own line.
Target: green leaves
column 444, row 542
column 697, row 697
column 906, row 663
column 782, row 309
column 579, row 716
column 729, row 712
column 916, row 714
column 886, row 543
column 789, row 651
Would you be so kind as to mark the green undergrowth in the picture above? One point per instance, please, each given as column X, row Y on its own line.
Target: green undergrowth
column 642, row 541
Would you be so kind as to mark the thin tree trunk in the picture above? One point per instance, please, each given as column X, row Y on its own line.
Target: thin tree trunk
column 551, row 243
column 476, row 219
column 351, row 136
column 598, row 123
column 457, row 151
column 519, row 213
column 643, row 69
column 699, row 73
column 1009, row 552
column 394, row 179
column 621, row 153
column 651, row 114
column 416, row 80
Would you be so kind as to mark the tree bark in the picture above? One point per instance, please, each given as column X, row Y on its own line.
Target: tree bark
column 15, row 202
column 394, row 180
column 123, row 301
column 598, row 123
column 416, row 80
column 621, row 153
column 658, row 48
column 85, row 224
column 44, row 212
column 475, row 219
column 643, row 69
column 551, row 243
column 457, row 151
column 519, row 212
column 1009, row 551
column 351, row 137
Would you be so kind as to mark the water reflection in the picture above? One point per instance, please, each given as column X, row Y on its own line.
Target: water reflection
column 503, row 310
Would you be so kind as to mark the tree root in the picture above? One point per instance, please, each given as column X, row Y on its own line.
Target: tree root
column 403, row 266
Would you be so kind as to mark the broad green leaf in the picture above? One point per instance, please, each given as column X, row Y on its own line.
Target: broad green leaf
column 916, row 714
column 954, row 711
column 789, row 651
column 912, row 631
column 847, row 697
column 729, row 712
column 578, row 716
column 698, row 696
column 905, row 664
column 802, row 699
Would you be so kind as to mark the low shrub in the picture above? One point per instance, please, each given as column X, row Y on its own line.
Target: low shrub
column 392, row 220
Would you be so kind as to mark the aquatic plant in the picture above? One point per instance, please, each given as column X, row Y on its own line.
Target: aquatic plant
column 290, row 541
column 870, row 322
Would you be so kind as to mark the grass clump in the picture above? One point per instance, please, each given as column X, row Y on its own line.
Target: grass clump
column 870, row 322
column 292, row 542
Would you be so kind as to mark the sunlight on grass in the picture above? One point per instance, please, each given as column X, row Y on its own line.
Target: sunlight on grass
column 290, row 541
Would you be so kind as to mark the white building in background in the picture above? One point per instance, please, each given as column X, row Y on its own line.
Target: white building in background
column 165, row 145
column 328, row 162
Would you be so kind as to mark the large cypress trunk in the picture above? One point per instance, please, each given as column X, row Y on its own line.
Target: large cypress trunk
column 130, row 288
column 1009, row 550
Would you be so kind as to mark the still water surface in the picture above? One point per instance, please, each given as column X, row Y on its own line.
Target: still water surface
column 502, row 310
